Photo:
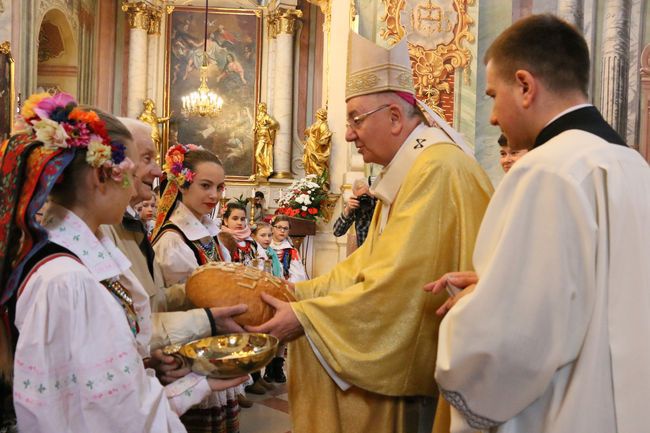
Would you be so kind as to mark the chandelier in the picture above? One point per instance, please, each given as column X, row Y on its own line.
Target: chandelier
column 203, row 102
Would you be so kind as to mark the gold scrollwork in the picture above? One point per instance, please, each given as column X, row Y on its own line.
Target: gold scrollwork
column 137, row 14
column 361, row 82
column 432, row 67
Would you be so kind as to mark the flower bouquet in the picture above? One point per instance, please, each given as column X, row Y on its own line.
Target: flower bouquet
column 305, row 198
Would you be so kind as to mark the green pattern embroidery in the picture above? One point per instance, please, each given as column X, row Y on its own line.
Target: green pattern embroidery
column 27, row 383
column 41, row 388
column 90, row 384
column 109, row 376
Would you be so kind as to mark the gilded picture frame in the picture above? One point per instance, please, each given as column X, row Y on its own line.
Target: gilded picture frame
column 7, row 92
column 234, row 50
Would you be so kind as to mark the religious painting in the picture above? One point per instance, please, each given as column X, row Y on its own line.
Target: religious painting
column 6, row 91
column 233, row 48
column 436, row 31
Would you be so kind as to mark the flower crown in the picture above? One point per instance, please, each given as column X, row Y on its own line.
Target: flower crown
column 174, row 160
column 57, row 121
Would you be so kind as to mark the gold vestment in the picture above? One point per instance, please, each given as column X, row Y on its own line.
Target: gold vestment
column 369, row 317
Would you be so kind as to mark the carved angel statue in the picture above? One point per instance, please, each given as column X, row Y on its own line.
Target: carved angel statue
column 149, row 116
column 318, row 145
column 265, row 130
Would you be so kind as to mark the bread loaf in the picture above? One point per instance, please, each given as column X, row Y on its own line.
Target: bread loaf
column 220, row 284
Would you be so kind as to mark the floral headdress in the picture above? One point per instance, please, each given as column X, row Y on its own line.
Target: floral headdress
column 58, row 122
column 178, row 176
column 174, row 159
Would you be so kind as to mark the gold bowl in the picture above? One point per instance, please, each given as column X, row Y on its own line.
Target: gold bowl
column 226, row 356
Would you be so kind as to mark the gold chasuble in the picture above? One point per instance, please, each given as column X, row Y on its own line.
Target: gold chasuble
column 369, row 318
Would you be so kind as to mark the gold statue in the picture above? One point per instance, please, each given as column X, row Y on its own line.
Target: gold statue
column 149, row 116
column 318, row 140
column 265, row 129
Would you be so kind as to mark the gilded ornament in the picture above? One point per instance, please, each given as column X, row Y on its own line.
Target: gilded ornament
column 318, row 145
column 287, row 20
column 265, row 129
column 437, row 33
column 149, row 117
column 137, row 14
column 155, row 17
column 5, row 48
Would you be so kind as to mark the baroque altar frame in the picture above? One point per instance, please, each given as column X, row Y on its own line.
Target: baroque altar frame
column 7, row 91
column 234, row 72
column 433, row 68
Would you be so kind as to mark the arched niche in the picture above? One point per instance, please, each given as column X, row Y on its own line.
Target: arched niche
column 58, row 57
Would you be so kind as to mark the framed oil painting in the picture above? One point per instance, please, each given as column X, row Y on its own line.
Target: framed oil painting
column 7, row 97
column 234, row 60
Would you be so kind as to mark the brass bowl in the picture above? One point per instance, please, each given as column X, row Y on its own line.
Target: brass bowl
column 226, row 356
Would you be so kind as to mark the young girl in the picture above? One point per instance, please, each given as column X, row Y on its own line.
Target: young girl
column 147, row 211
column 292, row 266
column 82, row 317
column 235, row 236
column 267, row 261
column 263, row 235
column 292, row 270
column 185, row 238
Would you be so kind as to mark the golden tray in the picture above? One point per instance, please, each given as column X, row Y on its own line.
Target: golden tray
column 226, row 356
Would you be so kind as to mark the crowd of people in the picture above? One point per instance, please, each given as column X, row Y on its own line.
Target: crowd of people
column 525, row 309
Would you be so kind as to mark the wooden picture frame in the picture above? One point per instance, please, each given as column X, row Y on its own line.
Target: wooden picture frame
column 234, row 50
column 7, row 92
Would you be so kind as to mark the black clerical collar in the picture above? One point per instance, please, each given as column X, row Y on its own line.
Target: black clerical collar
column 586, row 119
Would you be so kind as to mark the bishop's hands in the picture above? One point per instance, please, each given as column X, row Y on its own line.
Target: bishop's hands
column 457, row 284
column 284, row 324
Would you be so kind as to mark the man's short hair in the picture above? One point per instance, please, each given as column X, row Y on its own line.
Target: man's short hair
column 359, row 183
column 502, row 140
column 548, row 47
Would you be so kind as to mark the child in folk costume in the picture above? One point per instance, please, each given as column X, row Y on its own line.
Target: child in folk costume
column 81, row 317
column 292, row 270
column 267, row 261
column 185, row 238
column 235, row 236
column 292, row 266
column 263, row 235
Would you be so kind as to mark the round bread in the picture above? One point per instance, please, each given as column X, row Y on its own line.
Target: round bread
column 221, row 284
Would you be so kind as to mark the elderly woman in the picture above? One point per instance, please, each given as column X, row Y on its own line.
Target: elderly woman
column 82, row 319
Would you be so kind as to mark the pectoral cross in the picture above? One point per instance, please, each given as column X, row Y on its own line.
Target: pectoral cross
column 419, row 143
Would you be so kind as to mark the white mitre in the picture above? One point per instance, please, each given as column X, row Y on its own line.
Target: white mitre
column 374, row 69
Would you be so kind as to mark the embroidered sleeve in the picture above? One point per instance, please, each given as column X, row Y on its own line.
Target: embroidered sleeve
column 187, row 392
column 474, row 420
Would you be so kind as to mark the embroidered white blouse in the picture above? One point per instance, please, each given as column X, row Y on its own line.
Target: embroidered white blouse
column 175, row 258
column 78, row 367
column 297, row 270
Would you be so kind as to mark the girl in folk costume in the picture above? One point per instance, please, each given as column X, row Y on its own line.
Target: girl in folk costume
column 235, row 236
column 81, row 318
column 292, row 270
column 292, row 266
column 185, row 238
column 263, row 235
column 267, row 261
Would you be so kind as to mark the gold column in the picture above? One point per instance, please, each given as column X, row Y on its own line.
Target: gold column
column 287, row 20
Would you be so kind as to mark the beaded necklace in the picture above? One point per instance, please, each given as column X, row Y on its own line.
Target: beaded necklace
column 123, row 296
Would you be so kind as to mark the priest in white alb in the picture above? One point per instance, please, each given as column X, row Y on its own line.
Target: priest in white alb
column 555, row 335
